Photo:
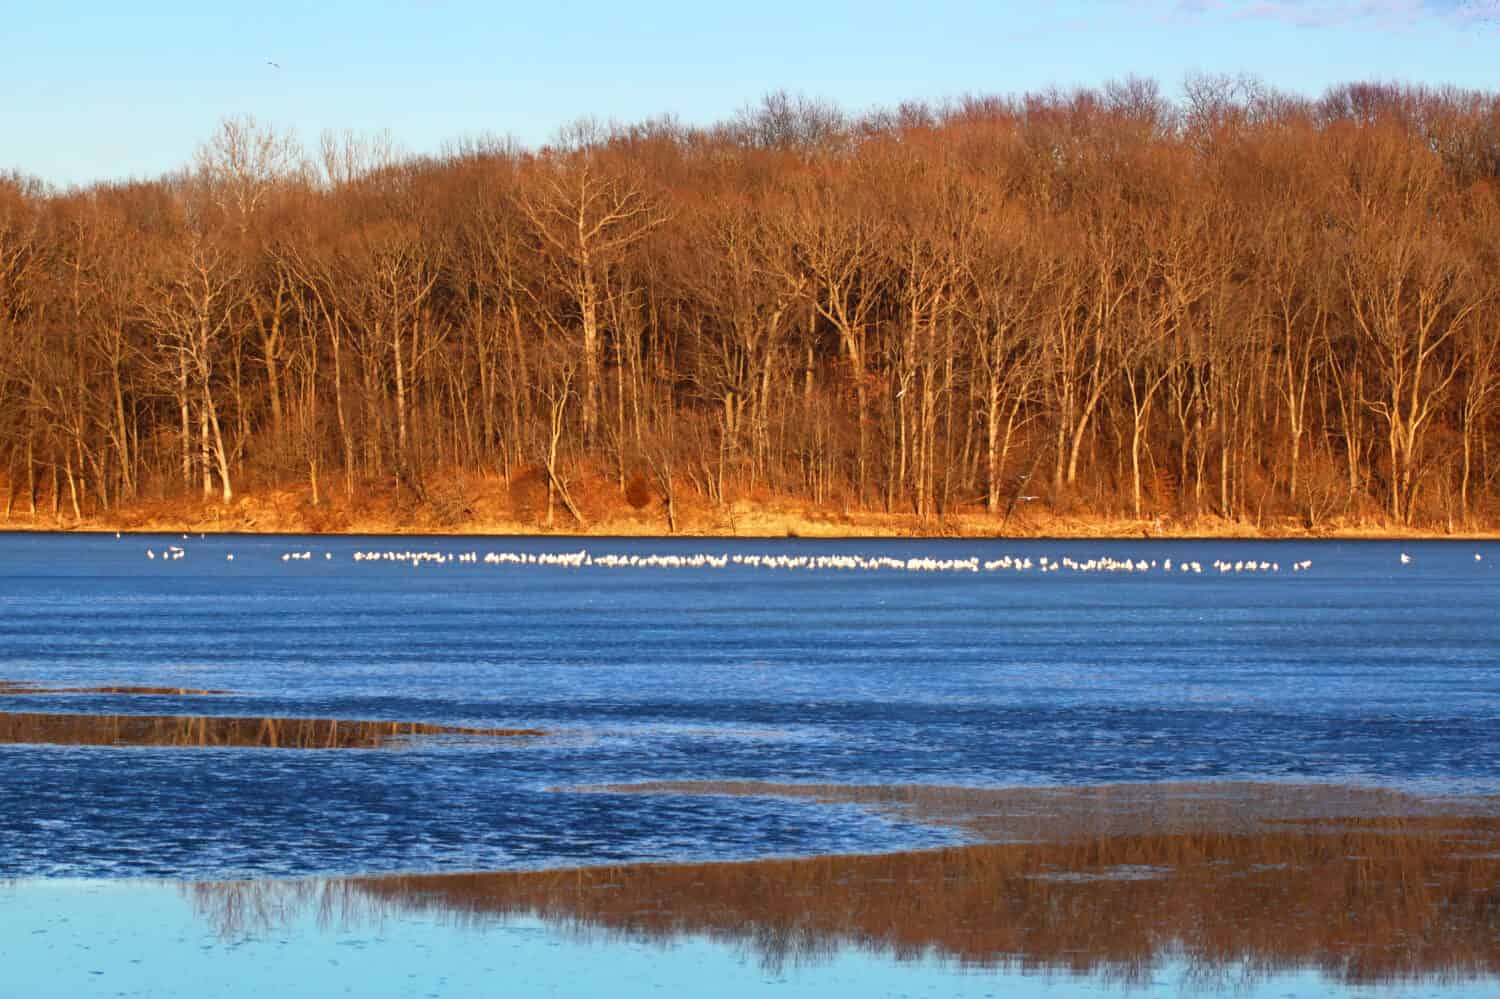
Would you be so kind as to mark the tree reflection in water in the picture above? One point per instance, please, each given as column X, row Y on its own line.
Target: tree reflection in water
column 1363, row 899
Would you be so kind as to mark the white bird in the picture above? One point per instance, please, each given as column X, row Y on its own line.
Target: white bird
column 229, row 557
column 1477, row 557
column 1405, row 559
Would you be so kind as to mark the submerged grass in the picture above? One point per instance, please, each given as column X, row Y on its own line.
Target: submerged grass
column 1043, row 814
column 1364, row 901
column 205, row 731
column 14, row 688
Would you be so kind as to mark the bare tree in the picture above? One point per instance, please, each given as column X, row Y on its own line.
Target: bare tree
column 585, row 218
column 190, row 301
column 1409, row 294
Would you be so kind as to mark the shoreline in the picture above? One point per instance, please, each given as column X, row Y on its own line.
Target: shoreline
column 1102, row 532
column 494, row 506
column 1056, row 536
column 746, row 521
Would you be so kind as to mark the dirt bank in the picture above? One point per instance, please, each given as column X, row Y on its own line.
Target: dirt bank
column 493, row 506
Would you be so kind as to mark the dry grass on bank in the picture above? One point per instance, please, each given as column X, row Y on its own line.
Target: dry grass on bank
column 494, row 505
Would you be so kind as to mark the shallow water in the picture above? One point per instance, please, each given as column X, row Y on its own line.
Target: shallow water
column 1359, row 670
column 67, row 939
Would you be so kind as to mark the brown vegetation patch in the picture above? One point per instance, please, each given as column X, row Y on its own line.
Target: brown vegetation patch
column 519, row 508
column 1368, row 901
column 1053, row 814
column 16, row 688
column 638, row 492
column 322, row 517
column 189, row 730
column 527, row 495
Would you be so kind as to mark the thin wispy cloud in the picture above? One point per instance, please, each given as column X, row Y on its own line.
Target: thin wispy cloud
column 1347, row 13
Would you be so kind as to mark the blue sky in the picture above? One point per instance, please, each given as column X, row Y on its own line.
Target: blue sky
column 94, row 90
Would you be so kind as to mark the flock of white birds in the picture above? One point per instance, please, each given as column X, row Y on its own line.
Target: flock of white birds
column 583, row 558
column 847, row 563
column 844, row 563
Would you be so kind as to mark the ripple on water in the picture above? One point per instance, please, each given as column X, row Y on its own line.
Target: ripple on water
column 1358, row 670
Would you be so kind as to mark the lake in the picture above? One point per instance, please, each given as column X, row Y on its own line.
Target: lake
column 1019, row 665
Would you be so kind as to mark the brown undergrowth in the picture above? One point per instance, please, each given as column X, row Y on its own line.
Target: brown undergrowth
column 474, row 504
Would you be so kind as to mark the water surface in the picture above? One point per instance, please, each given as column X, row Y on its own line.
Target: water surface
column 1360, row 670
column 1364, row 671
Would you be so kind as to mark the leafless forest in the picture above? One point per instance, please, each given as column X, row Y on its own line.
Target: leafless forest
column 1241, row 304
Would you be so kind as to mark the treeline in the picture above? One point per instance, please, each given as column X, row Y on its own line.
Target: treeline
column 1241, row 304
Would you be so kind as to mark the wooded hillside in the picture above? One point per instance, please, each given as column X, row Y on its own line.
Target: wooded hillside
column 1243, row 304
